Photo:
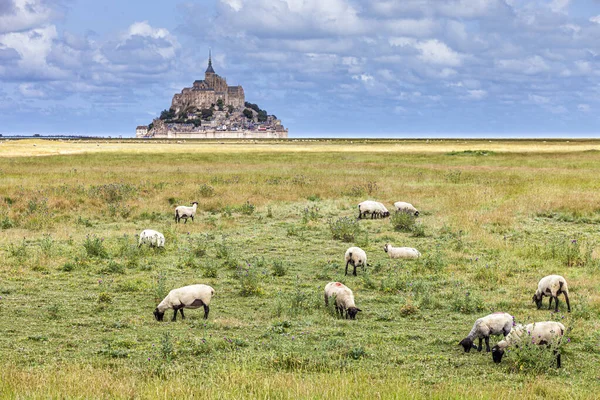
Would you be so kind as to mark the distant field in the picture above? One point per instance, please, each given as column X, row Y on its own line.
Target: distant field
column 77, row 295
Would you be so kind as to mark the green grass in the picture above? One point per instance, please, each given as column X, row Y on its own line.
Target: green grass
column 77, row 294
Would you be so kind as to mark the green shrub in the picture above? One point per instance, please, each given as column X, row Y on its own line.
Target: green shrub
column 530, row 358
column 104, row 297
column 206, row 190
column 278, row 268
column 250, row 280
column 465, row 302
column 94, row 247
column 310, row 214
column 402, row 222
column 246, row 208
column 210, row 270
column 344, row 229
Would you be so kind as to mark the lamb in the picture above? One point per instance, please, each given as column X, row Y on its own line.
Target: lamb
column 357, row 257
column 541, row 333
column 401, row 252
column 402, row 206
column 551, row 285
column 493, row 324
column 375, row 208
column 344, row 299
column 184, row 212
column 192, row 296
column 151, row 238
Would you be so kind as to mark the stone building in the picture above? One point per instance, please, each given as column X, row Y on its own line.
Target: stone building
column 205, row 93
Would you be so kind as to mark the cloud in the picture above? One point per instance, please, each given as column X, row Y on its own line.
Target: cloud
column 21, row 15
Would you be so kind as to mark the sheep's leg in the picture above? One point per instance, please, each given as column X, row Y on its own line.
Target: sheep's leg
column 354, row 272
column 557, row 353
column 550, row 303
column 479, row 347
column 192, row 217
column 487, row 344
column 556, row 303
column 347, row 262
column 185, row 221
column 567, row 300
column 175, row 314
column 181, row 311
column 206, row 310
column 326, row 300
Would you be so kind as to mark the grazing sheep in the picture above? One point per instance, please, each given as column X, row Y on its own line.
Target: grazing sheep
column 551, row 285
column 375, row 208
column 192, row 296
column 402, row 206
column 184, row 212
column 401, row 252
column 152, row 238
column 540, row 333
column 344, row 299
column 357, row 257
column 493, row 324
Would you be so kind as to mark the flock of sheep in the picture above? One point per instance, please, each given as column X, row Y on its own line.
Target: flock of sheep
column 500, row 323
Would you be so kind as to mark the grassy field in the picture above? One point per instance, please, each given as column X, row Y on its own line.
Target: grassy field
column 274, row 221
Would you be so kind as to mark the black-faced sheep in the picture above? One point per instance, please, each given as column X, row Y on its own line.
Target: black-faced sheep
column 184, row 212
column 552, row 286
column 344, row 299
column 541, row 333
column 494, row 324
column 356, row 257
column 192, row 296
column 375, row 208
column 402, row 206
column 401, row 252
column 152, row 238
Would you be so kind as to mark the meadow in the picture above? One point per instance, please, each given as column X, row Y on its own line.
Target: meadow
column 273, row 223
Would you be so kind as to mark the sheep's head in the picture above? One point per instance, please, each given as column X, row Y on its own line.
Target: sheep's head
column 158, row 315
column 467, row 344
column 497, row 354
column 385, row 214
column 195, row 202
column 416, row 213
column 386, row 247
column 352, row 312
column 537, row 299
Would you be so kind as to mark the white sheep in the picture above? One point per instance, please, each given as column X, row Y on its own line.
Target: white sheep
column 344, row 299
column 357, row 257
column 540, row 333
column 192, row 296
column 551, row 285
column 152, row 238
column 493, row 324
column 402, row 206
column 401, row 252
column 375, row 208
column 185, row 212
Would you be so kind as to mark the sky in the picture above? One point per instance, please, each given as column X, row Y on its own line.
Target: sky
column 326, row 68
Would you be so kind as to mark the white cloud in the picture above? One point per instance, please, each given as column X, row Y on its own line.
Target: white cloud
column 26, row 14
column 28, row 90
column 528, row 66
column 477, row 94
column 436, row 52
column 559, row 5
column 595, row 19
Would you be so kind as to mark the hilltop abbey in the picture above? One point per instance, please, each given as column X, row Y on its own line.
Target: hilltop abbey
column 205, row 93
column 212, row 109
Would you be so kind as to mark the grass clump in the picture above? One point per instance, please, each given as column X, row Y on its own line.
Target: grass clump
column 344, row 229
column 94, row 247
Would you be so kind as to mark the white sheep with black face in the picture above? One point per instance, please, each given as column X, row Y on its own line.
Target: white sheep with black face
column 374, row 208
column 152, row 238
column 192, row 296
column 499, row 323
column 402, row 206
column 344, row 299
column 401, row 252
column 541, row 333
column 552, row 286
column 356, row 257
column 185, row 212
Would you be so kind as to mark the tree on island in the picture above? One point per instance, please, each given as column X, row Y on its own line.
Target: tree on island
column 220, row 104
column 248, row 113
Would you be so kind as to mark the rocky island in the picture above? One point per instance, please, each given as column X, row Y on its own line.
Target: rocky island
column 212, row 109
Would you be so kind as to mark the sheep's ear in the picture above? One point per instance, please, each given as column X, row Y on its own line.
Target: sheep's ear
column 358, row 309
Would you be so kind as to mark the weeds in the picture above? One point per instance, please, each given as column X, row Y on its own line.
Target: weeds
column 344, row 229
column 94, row 247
